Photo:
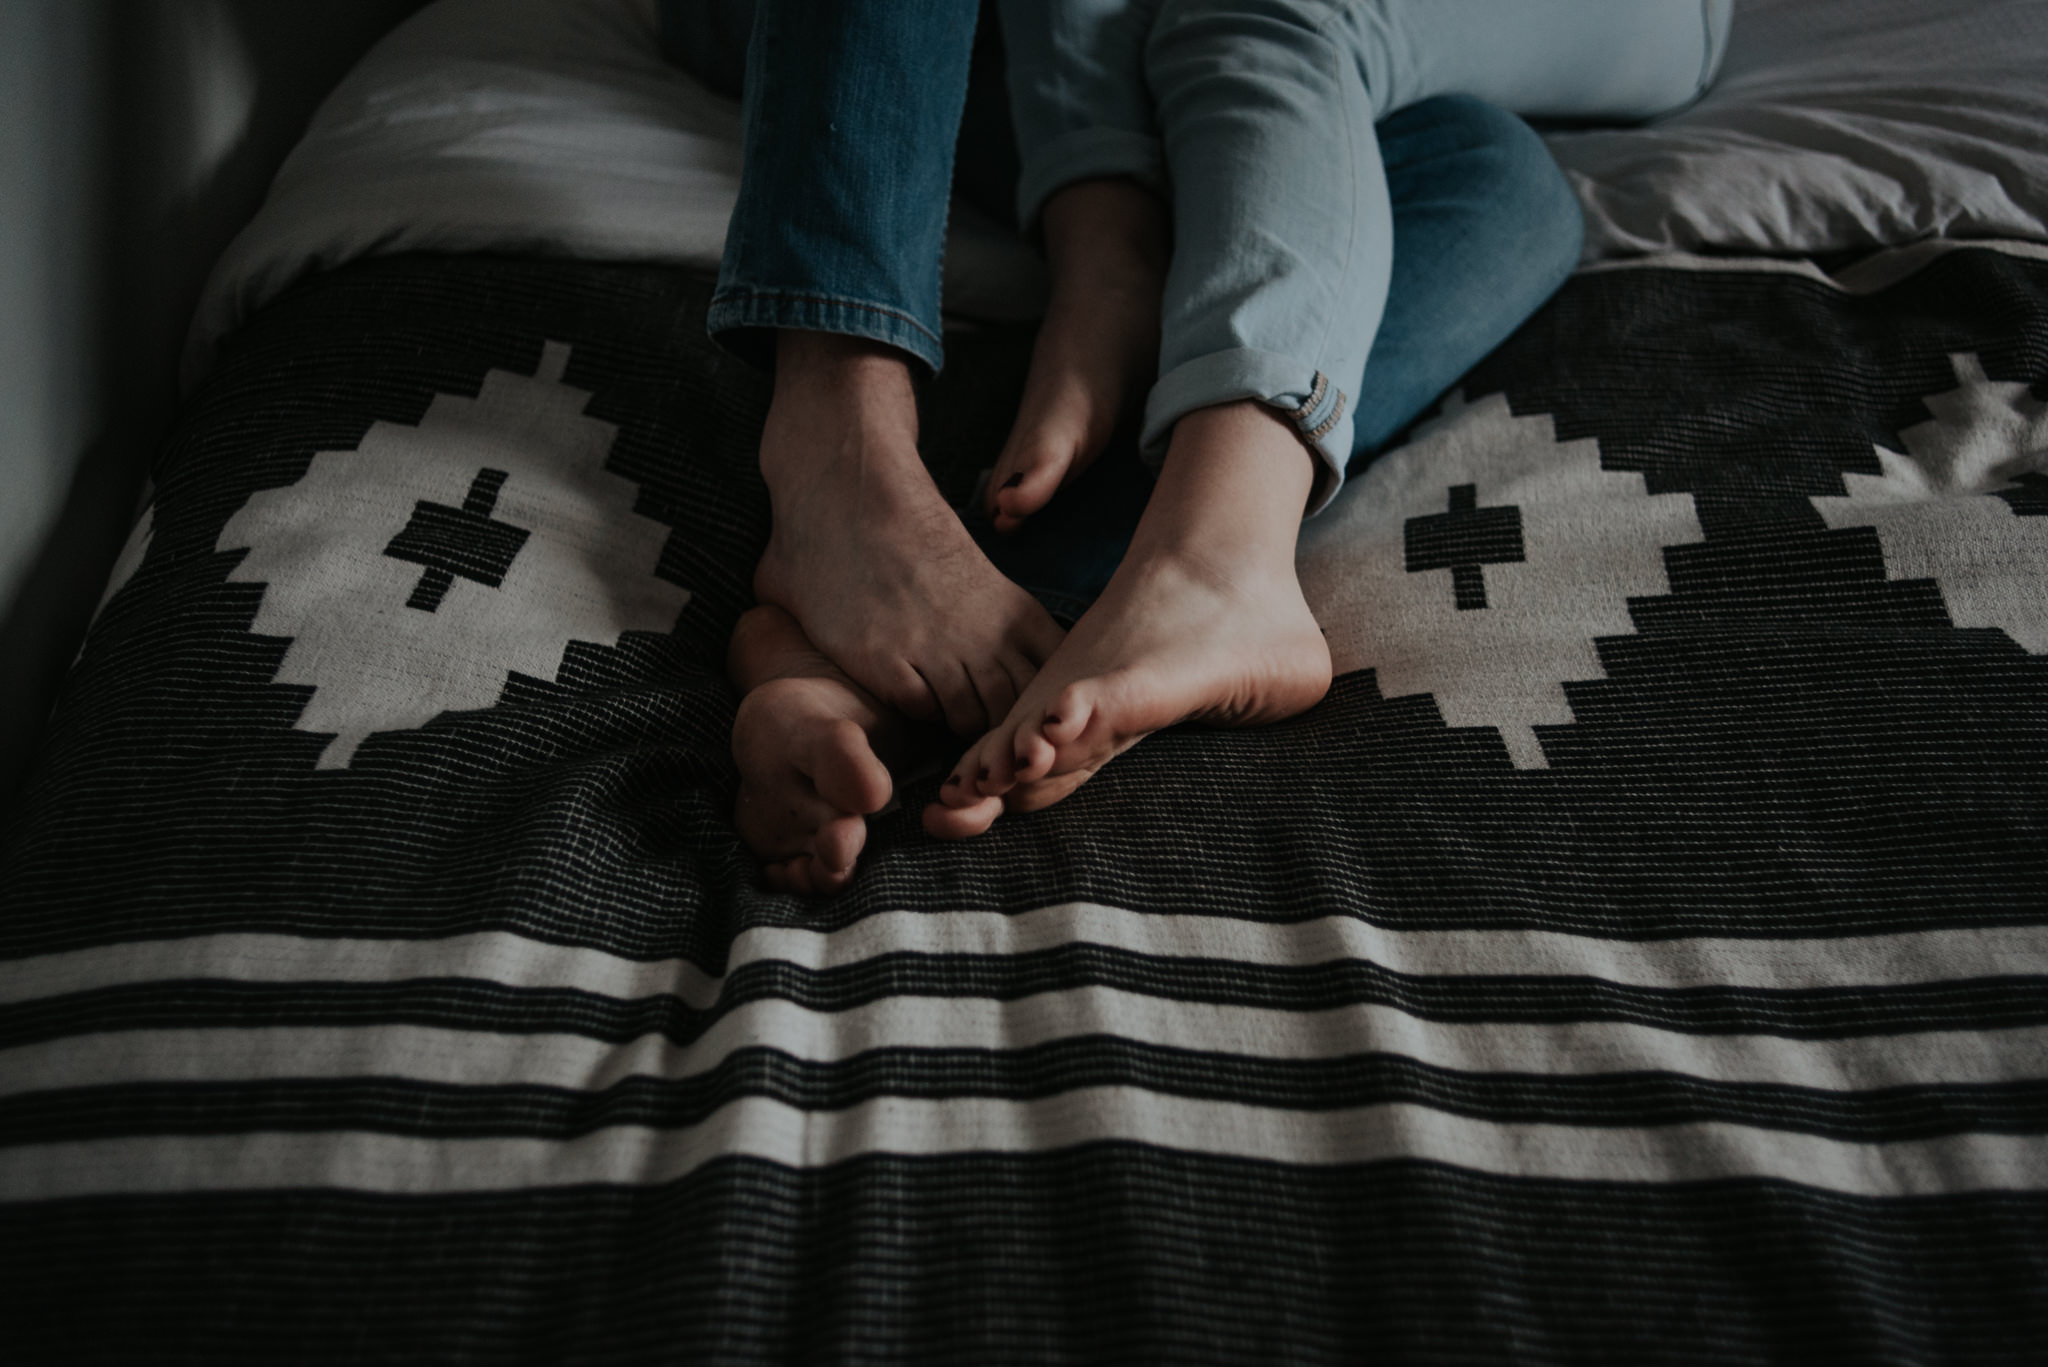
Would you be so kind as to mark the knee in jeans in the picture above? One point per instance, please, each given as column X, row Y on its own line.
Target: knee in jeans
column 1524, row 181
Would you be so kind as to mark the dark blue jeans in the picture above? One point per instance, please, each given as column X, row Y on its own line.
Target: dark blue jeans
column 852, row 110
column 851, row 114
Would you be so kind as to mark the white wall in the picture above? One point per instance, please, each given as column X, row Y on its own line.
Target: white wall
column 136, row 137
column 52, row 145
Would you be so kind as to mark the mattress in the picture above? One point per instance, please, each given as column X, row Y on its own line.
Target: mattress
column 1641, row 955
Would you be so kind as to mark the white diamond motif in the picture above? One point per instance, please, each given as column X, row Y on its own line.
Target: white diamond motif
column 1935, row 513
column 1591, row 539
column 584, row 571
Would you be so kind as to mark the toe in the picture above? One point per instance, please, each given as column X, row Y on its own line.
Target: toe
column 1069, row 715
column 825, row 882
column 1034, row 754
column 846, row 771
column 960, row 705
column 961, row 823
column 835, row 848
column 958, row 789
column 1025, row 479
column 1020, row 670
column 1037, row 636
column 905, row 689
column 975, row 770
column 997, row 691
column 995, row 768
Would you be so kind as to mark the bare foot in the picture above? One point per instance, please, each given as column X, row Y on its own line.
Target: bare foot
column 810, row 744
column 1203, row 621
column 866, row 555
column 1098, row 348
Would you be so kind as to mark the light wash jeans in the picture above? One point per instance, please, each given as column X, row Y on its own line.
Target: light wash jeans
column 1256, row 118
column 1485, row 229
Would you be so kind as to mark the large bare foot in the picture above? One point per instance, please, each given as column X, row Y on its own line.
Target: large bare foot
column 866, row 555
column 1203, row 621
column 1098, row 348
column 811, row 747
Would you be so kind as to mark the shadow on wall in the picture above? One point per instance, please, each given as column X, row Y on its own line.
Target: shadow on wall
column 150, row 130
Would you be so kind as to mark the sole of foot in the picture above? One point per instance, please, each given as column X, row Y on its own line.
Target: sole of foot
column 809, row 744
column 1166, row 645
column 1204, row 621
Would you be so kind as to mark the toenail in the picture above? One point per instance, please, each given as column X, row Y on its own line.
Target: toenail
column 1014, row 480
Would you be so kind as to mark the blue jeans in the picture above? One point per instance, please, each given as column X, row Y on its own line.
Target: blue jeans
column 850, row 114
column 1257, row 119
column 850, row 117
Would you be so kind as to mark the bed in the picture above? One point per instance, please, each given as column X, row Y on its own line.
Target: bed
column 1640, row 956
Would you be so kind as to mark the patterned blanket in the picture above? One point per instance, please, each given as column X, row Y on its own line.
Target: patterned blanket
column 1640, row 956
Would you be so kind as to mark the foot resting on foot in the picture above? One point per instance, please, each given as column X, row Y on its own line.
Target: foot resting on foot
column 866, row 555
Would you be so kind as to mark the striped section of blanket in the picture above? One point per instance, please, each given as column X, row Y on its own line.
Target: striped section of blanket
column 1640, row 956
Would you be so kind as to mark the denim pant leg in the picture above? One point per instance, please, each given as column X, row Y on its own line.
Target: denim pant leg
column 1262, row 115
column 1485, row 229
column 851, row 109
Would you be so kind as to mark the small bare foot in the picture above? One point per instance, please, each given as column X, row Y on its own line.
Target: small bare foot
column 810, row 745
column 1098, row 348
column 866, row 555
column 1203, row 621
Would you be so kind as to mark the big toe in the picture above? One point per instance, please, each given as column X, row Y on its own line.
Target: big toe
column 962, row 823
column 1036, row 636
column 846, row 771
column 1025, row 480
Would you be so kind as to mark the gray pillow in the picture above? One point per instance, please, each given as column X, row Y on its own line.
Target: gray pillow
column 1836, row 124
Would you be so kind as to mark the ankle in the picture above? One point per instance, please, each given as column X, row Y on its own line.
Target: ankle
column 1111, row 231
column 836, row 398
column 1231, row 491
column 834, row 360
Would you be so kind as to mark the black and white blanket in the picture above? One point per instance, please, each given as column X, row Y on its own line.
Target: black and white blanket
column 1640, row 956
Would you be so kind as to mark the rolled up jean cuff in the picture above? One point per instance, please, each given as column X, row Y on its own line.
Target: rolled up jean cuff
column 1311, row 402
column 743, row 320
column 1087, row 154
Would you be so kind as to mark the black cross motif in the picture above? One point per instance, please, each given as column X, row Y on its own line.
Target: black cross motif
column 451, row 541
column 1464, row 539
column 2028, row 497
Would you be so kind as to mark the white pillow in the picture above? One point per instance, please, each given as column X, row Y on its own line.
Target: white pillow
column 1836, row 124
column 551, row 127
